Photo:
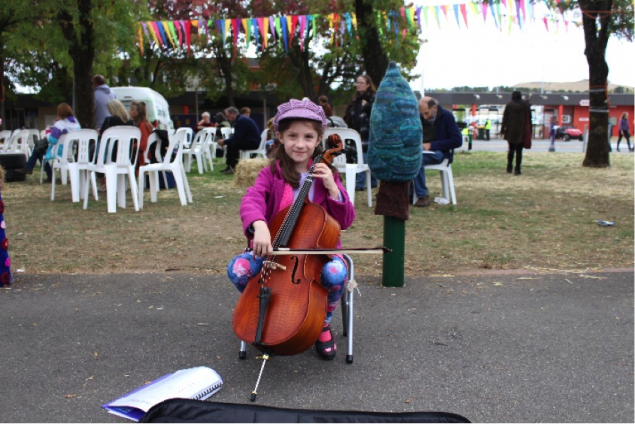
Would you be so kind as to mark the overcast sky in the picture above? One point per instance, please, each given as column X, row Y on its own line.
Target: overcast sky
column 481, row 55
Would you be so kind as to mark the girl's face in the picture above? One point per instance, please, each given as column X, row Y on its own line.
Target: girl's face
column 133, row 112
column 362, row 85
column 299, row 142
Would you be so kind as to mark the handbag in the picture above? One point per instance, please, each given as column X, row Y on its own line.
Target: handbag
column 42, row 145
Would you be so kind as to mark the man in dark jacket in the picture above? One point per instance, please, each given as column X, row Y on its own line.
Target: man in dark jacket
column 246, row 137
column 441, row 136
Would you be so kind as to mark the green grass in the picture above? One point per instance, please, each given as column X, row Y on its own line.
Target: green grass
column 541, row 219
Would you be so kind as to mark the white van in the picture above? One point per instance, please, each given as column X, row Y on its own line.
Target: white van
column 157, row 107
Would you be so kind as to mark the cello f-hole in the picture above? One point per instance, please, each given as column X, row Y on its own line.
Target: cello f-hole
column 295, row 268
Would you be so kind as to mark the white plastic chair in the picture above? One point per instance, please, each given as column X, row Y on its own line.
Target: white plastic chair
column 447, row 180
column 210, row 146
column 173, row 163
column 77, row 169
column 350, row 170
column 18, row 143
column 122, row 136
column 196, row 150
column 260, row 151
column 5, row 136
column 226, row 132
column 189, row 135
column 7, row 145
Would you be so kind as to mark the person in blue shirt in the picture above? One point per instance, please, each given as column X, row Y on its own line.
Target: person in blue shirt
column 246, row 136
column 441, row 136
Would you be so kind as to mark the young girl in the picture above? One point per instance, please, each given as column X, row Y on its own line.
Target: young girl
column 299, row 125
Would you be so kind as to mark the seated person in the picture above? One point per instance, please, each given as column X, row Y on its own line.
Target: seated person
column 441, row 136
column 65, row 122
column 246, row 137
column 205, row 122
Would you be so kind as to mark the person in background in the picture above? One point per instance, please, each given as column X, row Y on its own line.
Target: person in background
column 245, row 111
column 513, row 130
column 488, row 127
column 205, row 122
column 324, row 102
column 65, row 122
column 103, row 94
column 552, row 139
column 357, row 117
column 441, row 136
column 139, row 116
column 624, row 131
column 221, row 122
column 246, row 136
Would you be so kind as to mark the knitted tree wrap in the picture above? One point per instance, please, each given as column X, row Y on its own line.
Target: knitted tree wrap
column 394, row 148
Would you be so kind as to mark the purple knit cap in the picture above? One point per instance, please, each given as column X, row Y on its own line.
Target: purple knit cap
column 300, row 109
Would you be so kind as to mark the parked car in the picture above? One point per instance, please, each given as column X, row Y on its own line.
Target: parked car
column 567, row 133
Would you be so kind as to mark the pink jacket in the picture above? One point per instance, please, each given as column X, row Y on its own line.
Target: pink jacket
column 262, row 201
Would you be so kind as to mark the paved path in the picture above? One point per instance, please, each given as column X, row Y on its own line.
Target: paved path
column 495, row 348
column 573, row 146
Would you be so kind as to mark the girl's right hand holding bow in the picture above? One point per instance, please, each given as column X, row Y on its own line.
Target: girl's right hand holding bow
column 262, row 239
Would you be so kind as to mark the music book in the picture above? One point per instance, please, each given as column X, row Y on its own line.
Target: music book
column 192, row 383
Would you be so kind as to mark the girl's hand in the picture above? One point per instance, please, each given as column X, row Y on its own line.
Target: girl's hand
column 262, row 239
column 323, row 172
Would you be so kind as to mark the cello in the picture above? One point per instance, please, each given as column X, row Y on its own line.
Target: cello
column 282, row 309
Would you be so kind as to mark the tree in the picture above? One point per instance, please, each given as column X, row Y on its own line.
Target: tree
column 17, row 18
column 600, row 20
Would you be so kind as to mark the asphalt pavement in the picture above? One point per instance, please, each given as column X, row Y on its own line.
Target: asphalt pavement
column 491, row 347
column 496, row 144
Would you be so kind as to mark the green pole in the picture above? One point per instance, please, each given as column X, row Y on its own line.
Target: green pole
column 394, row 239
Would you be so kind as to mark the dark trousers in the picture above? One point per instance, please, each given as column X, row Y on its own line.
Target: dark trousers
column 518, row 148
column 234, row 147
column 628, row 139
column 487, row 134
column 39, row 155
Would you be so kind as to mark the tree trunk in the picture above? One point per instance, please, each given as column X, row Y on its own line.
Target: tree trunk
column 375, row 59
column 596, row 39
column 82, row 51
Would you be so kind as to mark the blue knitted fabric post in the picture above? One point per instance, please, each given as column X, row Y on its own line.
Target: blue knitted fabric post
column 394, row 148
column 5, row 263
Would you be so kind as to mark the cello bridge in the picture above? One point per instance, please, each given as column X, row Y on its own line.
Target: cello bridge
column 274, row 265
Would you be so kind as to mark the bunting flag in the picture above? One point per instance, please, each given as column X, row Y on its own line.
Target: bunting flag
column 264, row 30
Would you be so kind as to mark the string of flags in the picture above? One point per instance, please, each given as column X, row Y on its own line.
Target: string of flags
column 504, row 14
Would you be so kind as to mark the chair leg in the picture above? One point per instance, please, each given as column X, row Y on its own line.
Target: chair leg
column 89, row 174
column 154, row 185
column 121, row 190
column 369, row 189
column 351, row 172
column 178, row 178
column 111, row 188
column 141, row 183
column 52, row 182
column 186, row 184
column 451, row 185
column 133, row 188
column 242, row 354
column 74, row 177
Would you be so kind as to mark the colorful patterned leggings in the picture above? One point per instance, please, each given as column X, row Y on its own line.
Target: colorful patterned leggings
column 244, row 266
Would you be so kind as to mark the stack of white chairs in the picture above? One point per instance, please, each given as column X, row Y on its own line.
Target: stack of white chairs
column 197, row 150
column 171, row 162
column 75, row 159
column 5, row 136
column 121, row 137
column 350, row 170
column 8, row 141
column 260, row 151
column 18, row 143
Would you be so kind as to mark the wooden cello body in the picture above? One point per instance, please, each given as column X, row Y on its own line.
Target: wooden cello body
column 282, row 309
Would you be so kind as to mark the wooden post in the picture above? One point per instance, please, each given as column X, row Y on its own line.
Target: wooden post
column 393, row 264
